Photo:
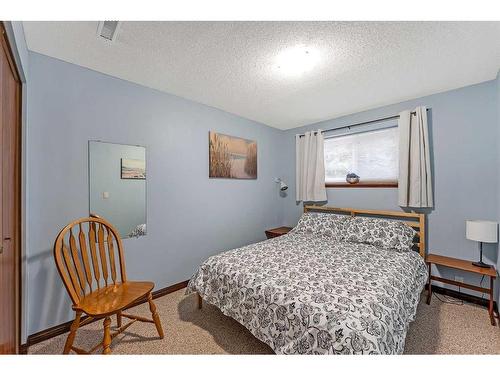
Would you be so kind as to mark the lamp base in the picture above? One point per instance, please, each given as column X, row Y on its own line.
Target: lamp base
column 481, row 264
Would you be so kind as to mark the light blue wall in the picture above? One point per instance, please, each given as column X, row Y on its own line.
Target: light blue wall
column 464, row 138
column 190, row 216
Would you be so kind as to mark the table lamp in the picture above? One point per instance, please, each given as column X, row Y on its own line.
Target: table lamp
column 481, row 231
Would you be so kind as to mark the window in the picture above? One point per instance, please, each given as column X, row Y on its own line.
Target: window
column 372, row 155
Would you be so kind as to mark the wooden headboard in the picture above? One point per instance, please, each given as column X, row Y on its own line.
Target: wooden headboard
column 414, row 220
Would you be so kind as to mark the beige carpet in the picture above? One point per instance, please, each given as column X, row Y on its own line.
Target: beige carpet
column 440, row 328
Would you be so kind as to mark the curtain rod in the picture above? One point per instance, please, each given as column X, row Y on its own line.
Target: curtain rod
column 363, row 123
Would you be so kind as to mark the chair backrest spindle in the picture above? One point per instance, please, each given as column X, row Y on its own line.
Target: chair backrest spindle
column 85, row 256
column 111, row 256
column 93, row 253
column 102, row 254
column 76, row 261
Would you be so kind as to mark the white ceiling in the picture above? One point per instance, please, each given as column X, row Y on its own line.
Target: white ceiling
column 233, row 65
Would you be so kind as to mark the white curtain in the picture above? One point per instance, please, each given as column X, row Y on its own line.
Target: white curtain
column 415, row 179
column 310, row 167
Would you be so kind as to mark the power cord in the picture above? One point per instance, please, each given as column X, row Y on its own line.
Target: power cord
column 481, row 285
column 449, row 300
column 456, row 301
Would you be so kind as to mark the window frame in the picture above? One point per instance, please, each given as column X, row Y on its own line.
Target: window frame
column 371, row 184
column 361, row 184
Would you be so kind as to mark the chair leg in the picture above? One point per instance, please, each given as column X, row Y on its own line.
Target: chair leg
column 156, row 317
column 72, row 333
column 106, row 342
column 119, row 319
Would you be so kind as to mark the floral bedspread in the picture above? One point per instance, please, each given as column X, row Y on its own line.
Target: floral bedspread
column 308, row 294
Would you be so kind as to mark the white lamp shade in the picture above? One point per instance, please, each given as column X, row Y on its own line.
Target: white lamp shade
column 481, row 230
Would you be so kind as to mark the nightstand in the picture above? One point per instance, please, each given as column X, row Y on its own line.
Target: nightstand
column 276, row 232
column 464, row 265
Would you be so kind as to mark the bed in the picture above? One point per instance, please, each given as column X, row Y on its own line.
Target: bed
column 341, row 282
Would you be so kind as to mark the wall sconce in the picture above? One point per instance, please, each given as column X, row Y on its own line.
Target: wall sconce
column 283, row 186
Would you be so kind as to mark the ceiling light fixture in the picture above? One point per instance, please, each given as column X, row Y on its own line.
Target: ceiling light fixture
column 296, row 61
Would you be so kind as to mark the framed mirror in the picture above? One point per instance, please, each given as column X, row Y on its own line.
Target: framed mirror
column 117, row 186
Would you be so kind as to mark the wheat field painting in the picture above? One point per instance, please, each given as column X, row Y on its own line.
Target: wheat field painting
column 232, row 157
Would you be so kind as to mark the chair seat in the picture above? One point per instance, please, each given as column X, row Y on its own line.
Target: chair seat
column 113, row 298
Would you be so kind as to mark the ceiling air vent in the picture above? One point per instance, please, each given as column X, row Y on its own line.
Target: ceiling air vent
column 108, row 30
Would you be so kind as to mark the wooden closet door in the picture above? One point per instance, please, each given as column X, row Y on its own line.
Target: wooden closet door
column 10, row 104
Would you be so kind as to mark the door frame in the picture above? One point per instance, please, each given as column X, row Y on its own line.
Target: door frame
column 6, row 45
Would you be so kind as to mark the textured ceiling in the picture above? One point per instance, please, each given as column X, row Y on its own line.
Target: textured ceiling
column 234, row 65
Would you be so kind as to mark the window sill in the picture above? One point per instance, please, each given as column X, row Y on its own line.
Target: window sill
column 372, row 184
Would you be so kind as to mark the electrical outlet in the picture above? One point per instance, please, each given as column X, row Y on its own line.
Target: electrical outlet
column 460, row 279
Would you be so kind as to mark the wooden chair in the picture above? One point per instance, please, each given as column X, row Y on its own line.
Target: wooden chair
column 85, row 255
